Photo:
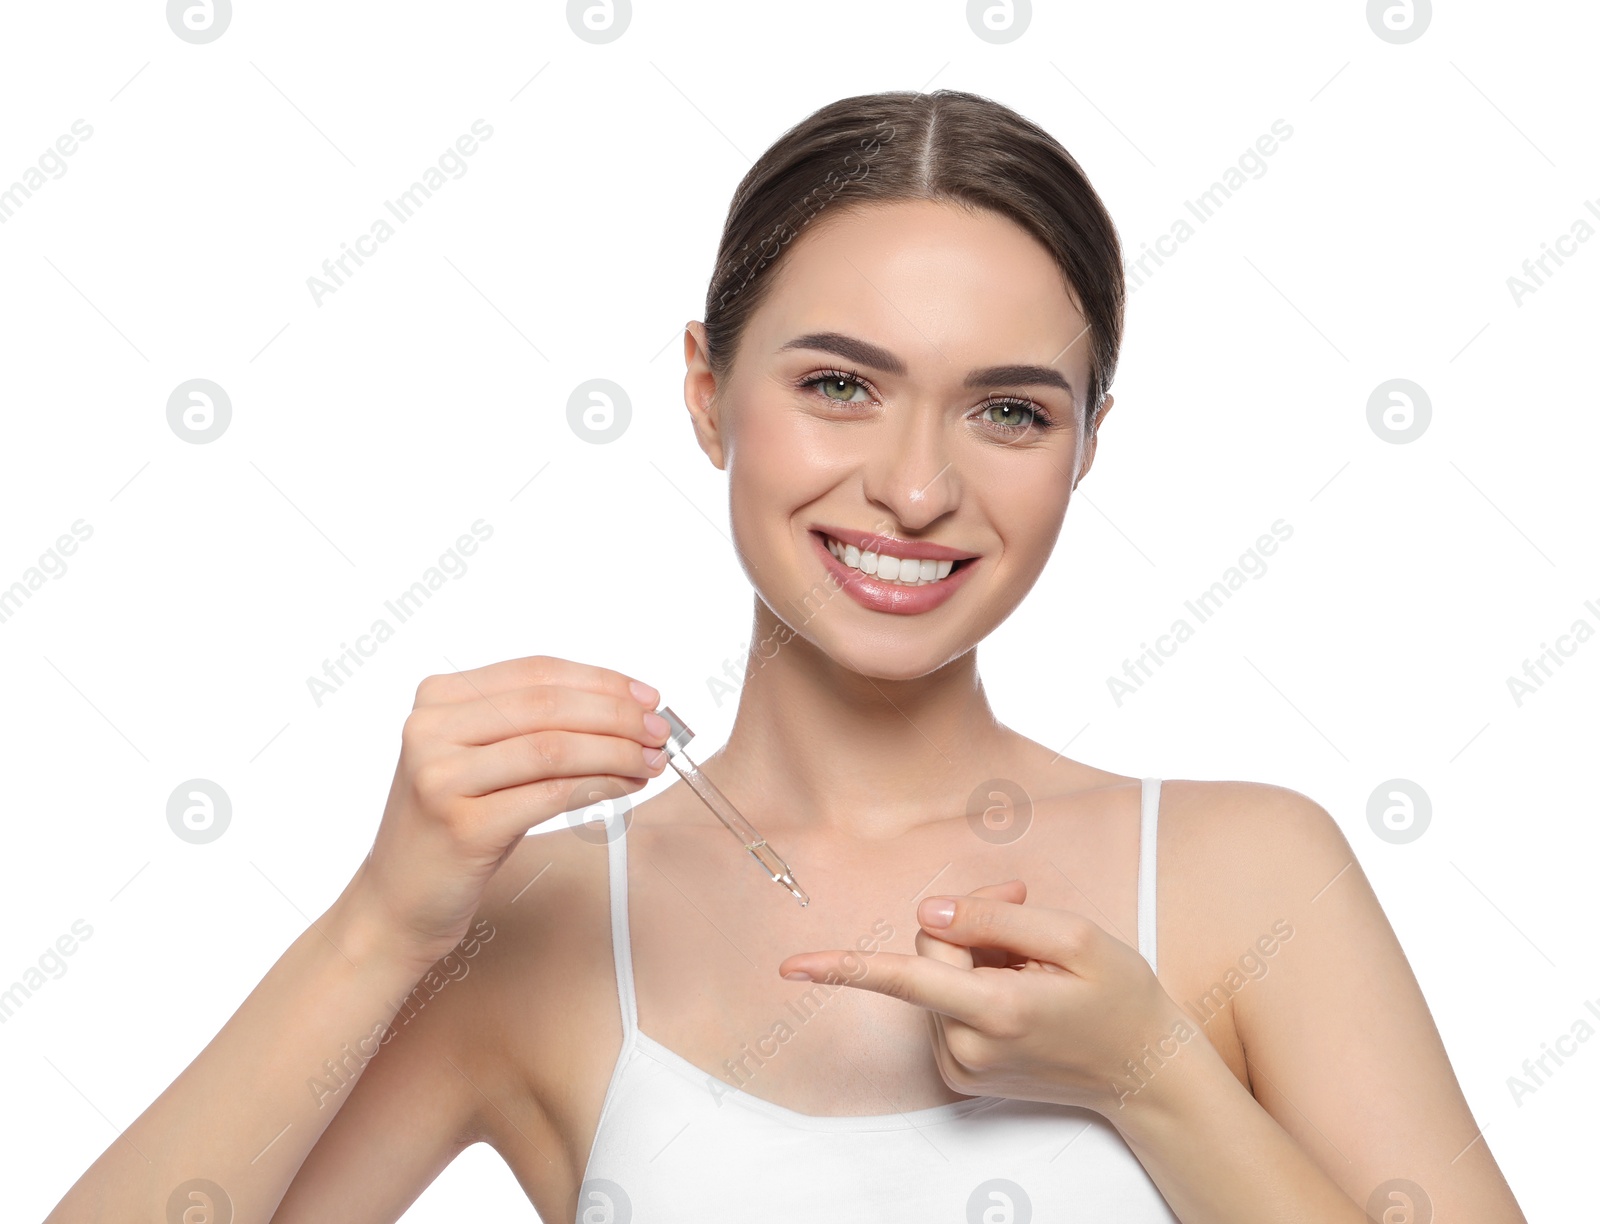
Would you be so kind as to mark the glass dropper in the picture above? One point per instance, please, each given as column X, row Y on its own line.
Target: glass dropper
column 678, row 736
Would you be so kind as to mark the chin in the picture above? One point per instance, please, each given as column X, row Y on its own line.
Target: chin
column 891, row 660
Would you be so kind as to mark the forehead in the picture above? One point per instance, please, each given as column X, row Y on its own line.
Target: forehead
column 944, row 287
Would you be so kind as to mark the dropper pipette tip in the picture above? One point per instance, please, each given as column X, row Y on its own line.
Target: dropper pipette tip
column 788, row 881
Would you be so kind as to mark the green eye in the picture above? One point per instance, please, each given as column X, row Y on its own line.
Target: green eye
column 837, row 386
column 1012, row 414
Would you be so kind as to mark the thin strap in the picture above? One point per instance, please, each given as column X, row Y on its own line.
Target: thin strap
column 1149, row 806
column 621, row 945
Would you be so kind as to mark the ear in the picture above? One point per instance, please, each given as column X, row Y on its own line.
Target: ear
column 700, row 392
column 1094, row 439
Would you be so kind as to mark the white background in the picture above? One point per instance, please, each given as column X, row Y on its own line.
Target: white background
column 370, row 431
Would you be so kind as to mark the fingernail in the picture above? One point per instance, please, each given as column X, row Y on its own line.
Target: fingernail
column 655, row 724
column 938, row 912
column 653, row 757
column 644, row 694
column 797, row 975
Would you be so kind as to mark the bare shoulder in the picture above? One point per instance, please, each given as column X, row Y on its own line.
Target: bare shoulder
column 559, row 869
column 1240, row 856
column 540, row 1009
column 1258, row 823
column 551, row 985
column 1230, row 854
column 1239, row 864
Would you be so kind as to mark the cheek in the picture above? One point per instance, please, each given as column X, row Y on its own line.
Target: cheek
column 758, row 426
column 768, row 474
column 1026, row 504
column 779, row 456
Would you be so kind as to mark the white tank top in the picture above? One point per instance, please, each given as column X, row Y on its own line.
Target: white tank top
column 675, row 1144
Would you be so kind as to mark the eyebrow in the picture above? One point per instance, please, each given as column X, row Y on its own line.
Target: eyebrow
column 864, row 353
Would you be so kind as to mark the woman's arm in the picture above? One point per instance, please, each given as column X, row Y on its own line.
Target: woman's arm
column 1355, row 1106
column 245, row 1113
column 485, row 755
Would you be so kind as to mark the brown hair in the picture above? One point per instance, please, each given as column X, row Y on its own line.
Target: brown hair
column 904, row 145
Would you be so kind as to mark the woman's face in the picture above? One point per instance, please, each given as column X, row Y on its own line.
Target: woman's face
column 915, row 376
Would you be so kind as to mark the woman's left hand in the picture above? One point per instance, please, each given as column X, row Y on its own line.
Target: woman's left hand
column 1024, row 1002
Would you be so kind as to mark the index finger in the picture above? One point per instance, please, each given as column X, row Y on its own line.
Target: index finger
column 510, row 674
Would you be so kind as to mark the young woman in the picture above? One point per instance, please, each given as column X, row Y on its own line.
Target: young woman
column 903, row 370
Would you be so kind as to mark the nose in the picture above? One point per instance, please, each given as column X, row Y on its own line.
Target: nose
column 911, row 476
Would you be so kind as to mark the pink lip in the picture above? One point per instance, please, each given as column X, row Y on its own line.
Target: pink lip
column 918, row 550
column 878, row 596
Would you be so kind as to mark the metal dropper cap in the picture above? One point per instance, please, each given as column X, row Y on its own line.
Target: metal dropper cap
column 678, row 733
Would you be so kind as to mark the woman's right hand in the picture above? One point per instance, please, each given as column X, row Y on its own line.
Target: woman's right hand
column 484, row 756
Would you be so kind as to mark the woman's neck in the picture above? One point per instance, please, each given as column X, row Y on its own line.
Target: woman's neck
column 827, row 748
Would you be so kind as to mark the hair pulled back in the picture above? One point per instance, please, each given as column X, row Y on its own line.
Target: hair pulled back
column 947, row 145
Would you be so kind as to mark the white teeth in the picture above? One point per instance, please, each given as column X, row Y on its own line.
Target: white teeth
column 908, row 571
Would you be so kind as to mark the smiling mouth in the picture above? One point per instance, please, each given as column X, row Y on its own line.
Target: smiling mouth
column 903, row 571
